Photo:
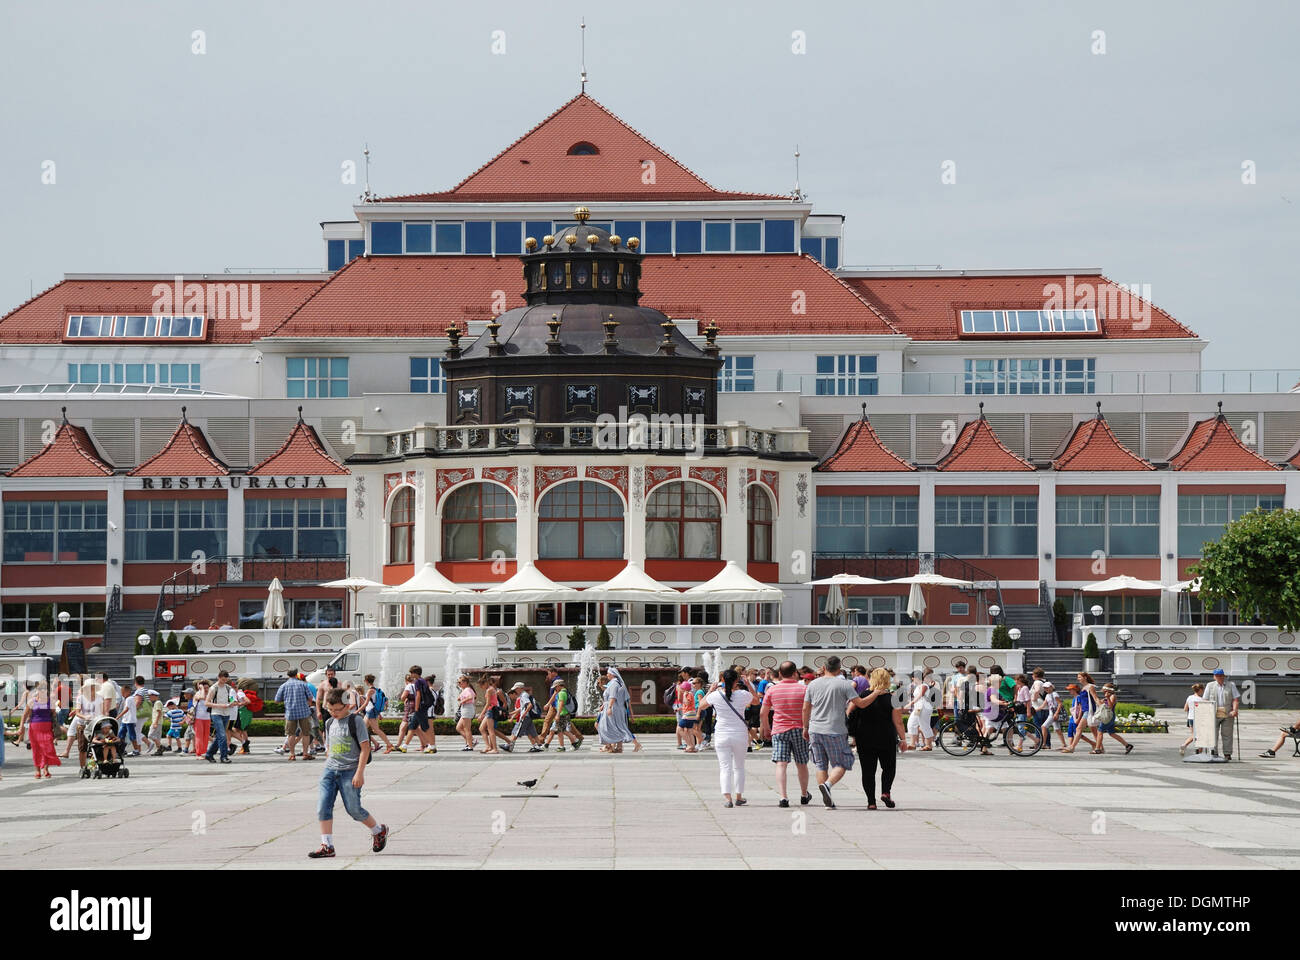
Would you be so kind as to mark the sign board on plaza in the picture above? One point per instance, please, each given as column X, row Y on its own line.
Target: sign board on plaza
column 231, row 482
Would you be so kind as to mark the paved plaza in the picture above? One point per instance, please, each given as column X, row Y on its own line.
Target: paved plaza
column 650, row 810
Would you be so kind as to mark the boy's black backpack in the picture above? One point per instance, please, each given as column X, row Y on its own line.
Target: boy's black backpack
column 534, row 709
column 437, row 701
column 352, row 722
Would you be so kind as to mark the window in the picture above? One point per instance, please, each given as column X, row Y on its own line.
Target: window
column 426, row 375
column 419, row 238
column 448, row 237
column 847, row 375
column 478, row 236
column 780, row 236
column 478, row 522
column 880, row 524
column 138, row 327
column 1061, row 375
column 688, row 236
column 316, row 377
column 658, row 237
column 1202, row 517
column 60, row 531
column 499, row 615
column 660, row 614
column 1029, row 321
column 537, row 229
column 749, row 236
column 760, row 525
column 832, row 259
column 386, row 236
column 167, row 374
column 626, row 229
column 736, row 374
column 986, row 526
column 1119, row 526
column 175, row 529
column 509, row 237
column 84, row 618
column 1128, row 609
column 455, row 615
column 705, row 614
column 310, row 527
column 717, row 236
column 583, row 149
column 683, row 521
column 251, row 613
column 580, row 520
column 316, row 614
column 580, row 613
column 811, row 246
column 959, row 609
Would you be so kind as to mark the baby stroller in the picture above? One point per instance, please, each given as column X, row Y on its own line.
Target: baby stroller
column 96, row 766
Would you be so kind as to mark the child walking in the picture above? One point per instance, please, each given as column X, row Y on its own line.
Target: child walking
column 347, row 751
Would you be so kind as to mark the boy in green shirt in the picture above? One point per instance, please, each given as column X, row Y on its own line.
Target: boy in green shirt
column 562, row 702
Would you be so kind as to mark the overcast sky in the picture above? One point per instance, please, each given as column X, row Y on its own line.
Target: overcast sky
column 1131, row 160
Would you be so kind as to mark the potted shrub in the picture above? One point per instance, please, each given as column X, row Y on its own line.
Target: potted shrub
column 1091, row 657
column 46, row 624
column 525, row 637
column 1001, row 637
column 602, row 638
column 189, row 646
column 172, row 647
column 577, row 638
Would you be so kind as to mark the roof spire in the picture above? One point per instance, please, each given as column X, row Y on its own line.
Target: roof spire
column 367, row 197
column 1220, row 409
column 864, row 409
column 981, row 409
column 184, row 418
column 300, row 413
column 798, row 194
column 65, row 414
column 582, row 27
column 1099, row 416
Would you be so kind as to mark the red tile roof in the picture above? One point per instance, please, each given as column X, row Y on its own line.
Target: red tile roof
column 1093, row 446
column 539, row 167
column 978, row 449
column 302, row 453
column 1213, row 445
column 929, row 308
column 186, row 454
column 420, row 296
column 860, row 449
column 43, row 319
column 70, row 454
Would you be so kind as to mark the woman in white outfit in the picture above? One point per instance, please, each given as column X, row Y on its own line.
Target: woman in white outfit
column 918, row 722
column 729, row 700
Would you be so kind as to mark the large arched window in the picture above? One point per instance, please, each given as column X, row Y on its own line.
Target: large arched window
column 683, row 522
column 478, row 521
column 401, row 526
column 580, row 520
column 760, row 525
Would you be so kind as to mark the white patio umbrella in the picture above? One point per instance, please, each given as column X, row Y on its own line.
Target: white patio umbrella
column 1121, row 584
column 632, row 585
column 427, row 586
column 732, row 585
column 273, row 616
column 1185, row 586
column 528, row 585
column 919, row 581
column 839, row 584
column 353, row 584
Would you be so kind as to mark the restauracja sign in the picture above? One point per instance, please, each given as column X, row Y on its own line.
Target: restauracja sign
column 232, row 483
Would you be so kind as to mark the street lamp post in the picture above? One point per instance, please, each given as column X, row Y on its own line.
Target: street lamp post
column 1125, row 635
column 64, row 617
column 1096, row 610
column 1014, row 634
column 34, row 641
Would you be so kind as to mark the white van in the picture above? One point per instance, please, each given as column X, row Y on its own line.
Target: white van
column 389, row 657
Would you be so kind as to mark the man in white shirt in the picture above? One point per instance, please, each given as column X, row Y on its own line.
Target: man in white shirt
column 222, row 702
column 1225, row 696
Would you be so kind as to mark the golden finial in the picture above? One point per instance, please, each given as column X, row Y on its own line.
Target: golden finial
column 492, row 329
column 581, row 214
column 633, row 243
column 548, row 240
column 592, row 239
column 530, row 244
column 615, row 240
column 571, row 239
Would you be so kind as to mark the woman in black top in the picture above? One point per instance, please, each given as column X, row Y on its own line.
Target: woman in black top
column 879, row 732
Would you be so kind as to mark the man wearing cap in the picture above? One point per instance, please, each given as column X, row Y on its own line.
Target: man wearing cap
column 524, row 722
column 1225, row 696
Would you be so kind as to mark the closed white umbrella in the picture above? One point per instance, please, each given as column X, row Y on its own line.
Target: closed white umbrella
column 273, row 616
column 835, row 602
column 916, row 603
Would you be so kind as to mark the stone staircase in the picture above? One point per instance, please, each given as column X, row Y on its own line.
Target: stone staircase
column 1062, row 664
column 118, row 647
column 1037, row 628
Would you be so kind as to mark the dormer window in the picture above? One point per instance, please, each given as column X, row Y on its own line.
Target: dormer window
column 1029, row 321
column 583, row 149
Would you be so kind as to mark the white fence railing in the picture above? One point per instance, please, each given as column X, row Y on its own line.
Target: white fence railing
column 1191, row 638
column 1194, row 663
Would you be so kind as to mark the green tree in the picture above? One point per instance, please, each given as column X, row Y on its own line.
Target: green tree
column 172, row 647
column 577, row 638
column 188, row 645
column 602, row 638
column 1255, row 568
column 1090, row 648
column 1001, row 637
column 46, row 624
column 525, row 637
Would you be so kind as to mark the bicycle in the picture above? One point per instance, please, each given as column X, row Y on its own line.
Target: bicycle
column 1022, row 738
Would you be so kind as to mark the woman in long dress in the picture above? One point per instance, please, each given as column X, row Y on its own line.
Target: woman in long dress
column 39, row 717
column 202, row 719
column 615, row 707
